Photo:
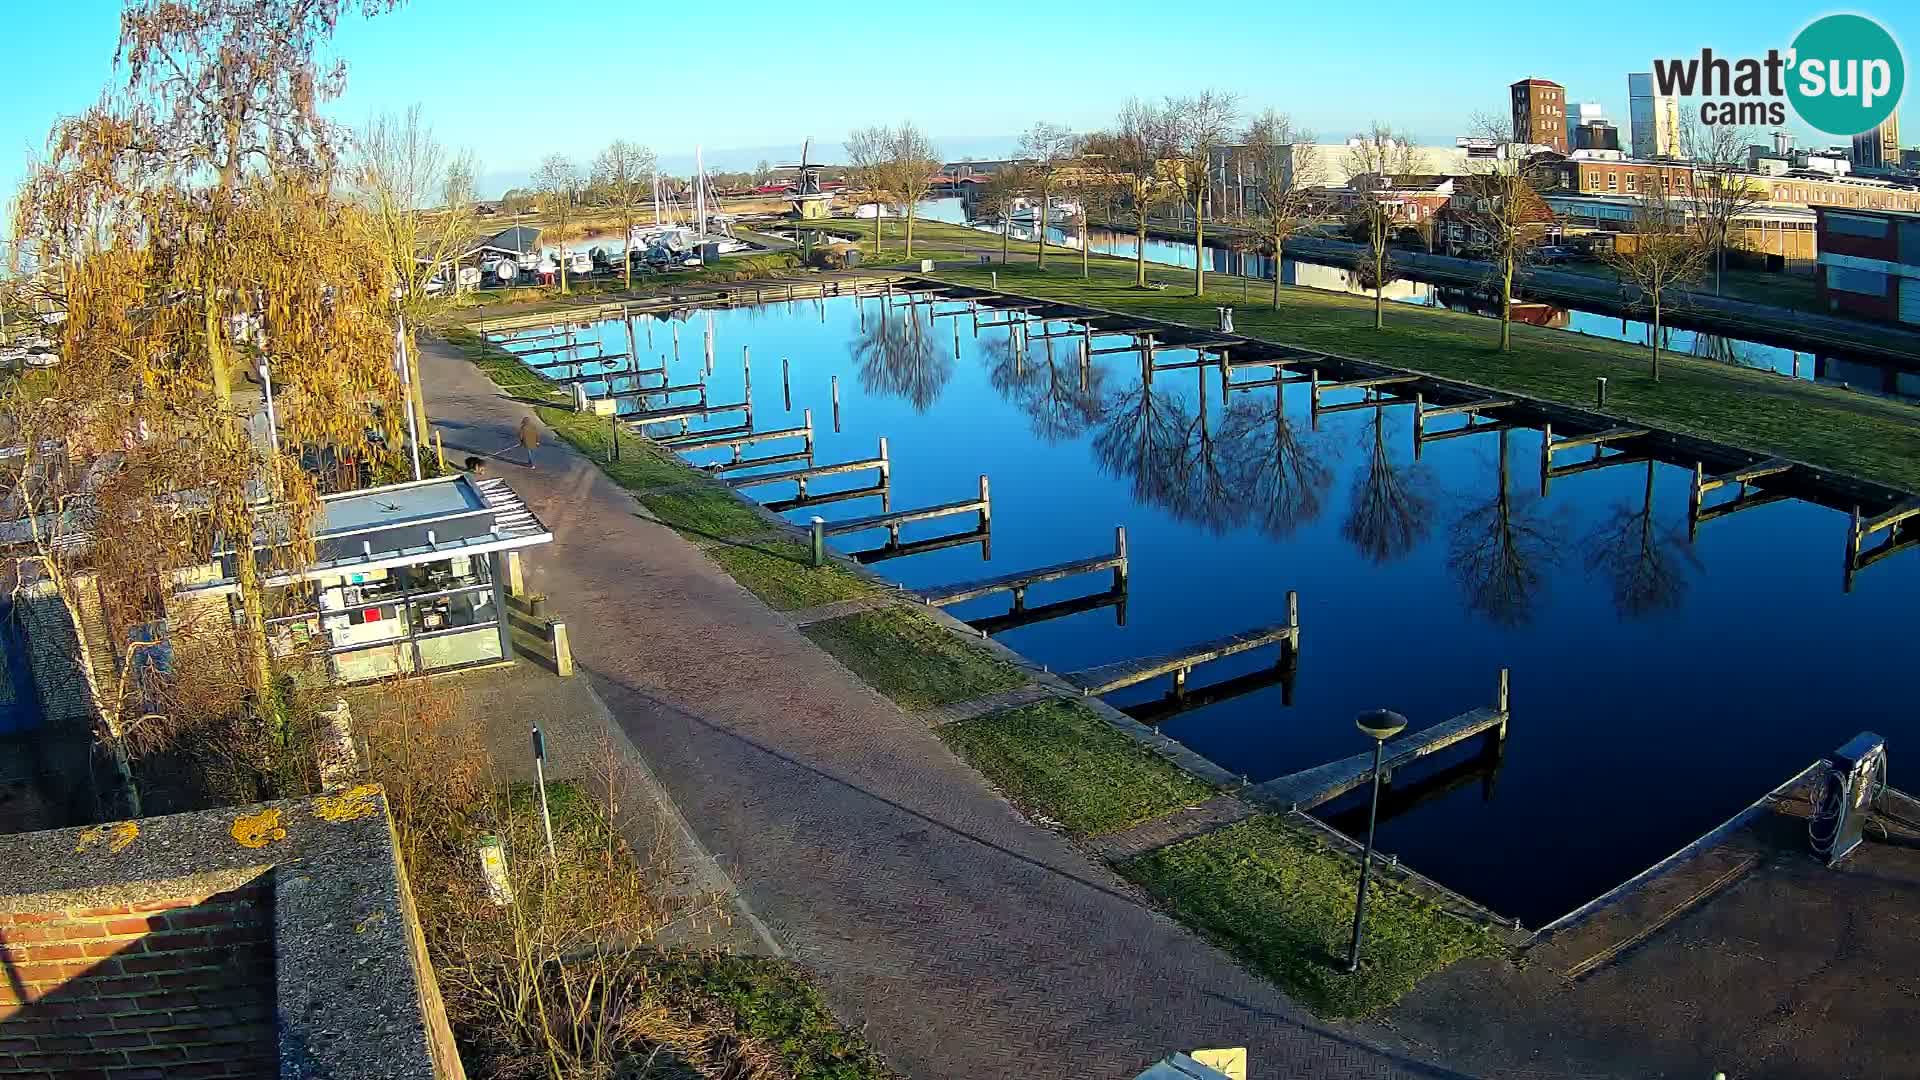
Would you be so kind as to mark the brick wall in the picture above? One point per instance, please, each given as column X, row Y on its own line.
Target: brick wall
column 171, row 988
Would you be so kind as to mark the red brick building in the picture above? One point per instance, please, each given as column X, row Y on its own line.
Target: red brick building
column 1869, row 264
column 1540, row 113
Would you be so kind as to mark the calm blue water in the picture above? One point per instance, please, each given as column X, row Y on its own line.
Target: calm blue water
column 1658, row 686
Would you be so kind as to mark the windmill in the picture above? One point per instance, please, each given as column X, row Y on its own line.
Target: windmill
column 809, row 201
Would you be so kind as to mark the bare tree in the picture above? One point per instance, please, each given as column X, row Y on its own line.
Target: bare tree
column 624, row 171
column 1375, row 162
column 911, row 160
column 867, row 159
column 1663, row 251
column 1499, row 205
column 1723, row 190
column 1088, row 177
column 398, row 172
column 1284, row 166
column 1200, row 127
column 558, row 179
column 1047, row 151
column 996, row 198
column 1137, row 149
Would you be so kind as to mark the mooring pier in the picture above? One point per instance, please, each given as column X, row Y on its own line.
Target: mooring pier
column 1106, row 678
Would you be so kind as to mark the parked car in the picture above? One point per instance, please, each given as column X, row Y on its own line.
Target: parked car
column 1553, row 255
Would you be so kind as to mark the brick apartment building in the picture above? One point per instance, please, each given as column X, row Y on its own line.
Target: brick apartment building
column 1869, row 264
column 1635, row 177
column 1540, row 113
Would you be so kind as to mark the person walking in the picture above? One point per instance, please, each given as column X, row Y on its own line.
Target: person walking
column 526, row 438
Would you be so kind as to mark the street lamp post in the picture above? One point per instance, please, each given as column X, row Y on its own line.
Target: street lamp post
column 1380, row 725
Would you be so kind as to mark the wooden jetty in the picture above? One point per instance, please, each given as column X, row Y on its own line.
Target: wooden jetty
column 981, row 536
column 883, row 490
column 1309, row 788
column 1019, row 581
column 1699, row 512
column 736, row 440
column 682, row 413
column 699, row 388
column 1898, row 522
column 1107, row 678
column 892, row 520
column 1472, row 410
column 1057, row 609
column 1599, row 441
column 800, row 477
column 1170, row 705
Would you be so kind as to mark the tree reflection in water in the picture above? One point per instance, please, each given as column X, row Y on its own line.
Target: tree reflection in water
column 899, row 357
column 1646, row 564
column 1500, row 549
column 1136, row 436
column 1389, row 516
column 1048, row 389
column 1281, row 473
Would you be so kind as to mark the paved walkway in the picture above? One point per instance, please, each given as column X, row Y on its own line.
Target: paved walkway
column 964, row 941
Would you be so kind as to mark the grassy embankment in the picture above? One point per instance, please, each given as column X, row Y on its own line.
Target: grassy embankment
column 1057, row 760
column 1824, row 426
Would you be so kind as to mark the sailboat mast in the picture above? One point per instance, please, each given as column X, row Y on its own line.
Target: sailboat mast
column 700, row 194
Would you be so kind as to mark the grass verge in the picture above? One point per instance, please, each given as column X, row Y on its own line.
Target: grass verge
column 912, row 659
column 781, row 573
column 1059, row 759
column 771, row 1003
column 1283, row 902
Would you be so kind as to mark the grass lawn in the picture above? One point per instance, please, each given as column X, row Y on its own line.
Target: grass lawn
column 772, row 1003
column 912, row 659
column 1765, row 413
column 1283, row 902
column 781, row 573
column 1057, row 758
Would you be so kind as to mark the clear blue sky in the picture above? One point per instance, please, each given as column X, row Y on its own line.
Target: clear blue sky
column 516, row 81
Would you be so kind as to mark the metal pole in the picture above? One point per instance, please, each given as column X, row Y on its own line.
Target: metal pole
column 273, row 425
column 819, row 540
column 1366, row 863
column 406, row 381
column 540, row 779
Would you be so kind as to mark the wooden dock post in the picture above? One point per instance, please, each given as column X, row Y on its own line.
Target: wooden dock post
column 1546, row 457
column 819, row 540
column 746, row 371
column 1600, row 391
column 439, row 450
column 613, row 436
column 1420, row 422
column 1854, row 537
column 633, row 350
column 676, row 340
column 1313, row 397
column 1500, row 704
column 834, row 381
column 886, row 465
column 1120, row 554
column 806, row 421
column 1292, row 647
column 986, row 504
column 786, row 382
column 1696, row 495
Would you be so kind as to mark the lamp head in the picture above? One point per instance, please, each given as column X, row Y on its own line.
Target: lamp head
column 1381, row 724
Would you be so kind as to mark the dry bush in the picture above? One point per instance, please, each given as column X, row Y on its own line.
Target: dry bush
column 555, row 984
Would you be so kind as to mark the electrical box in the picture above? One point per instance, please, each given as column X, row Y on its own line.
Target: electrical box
column 1844, row 797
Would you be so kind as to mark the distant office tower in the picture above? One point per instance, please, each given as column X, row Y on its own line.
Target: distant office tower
column 1586, row 112
column 1879, row 148
column 1653, row 118
column 1782, row 143
column 1540, row 113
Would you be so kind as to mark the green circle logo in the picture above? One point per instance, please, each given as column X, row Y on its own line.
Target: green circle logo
column 1847, row 75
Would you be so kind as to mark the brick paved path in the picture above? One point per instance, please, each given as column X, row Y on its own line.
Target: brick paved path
column 963, row 940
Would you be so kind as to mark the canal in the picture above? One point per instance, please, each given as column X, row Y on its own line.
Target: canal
column 1856, row 373
column 1659, row 684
